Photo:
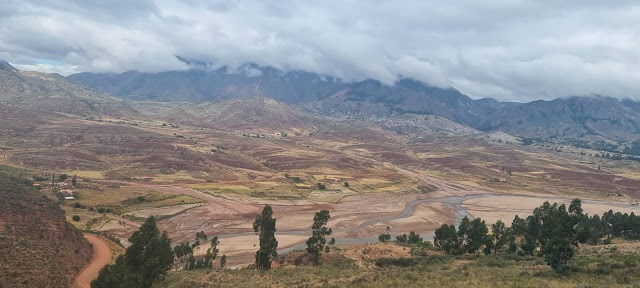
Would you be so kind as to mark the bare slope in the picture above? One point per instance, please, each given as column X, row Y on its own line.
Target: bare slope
column 54, row 93
column 38, row 247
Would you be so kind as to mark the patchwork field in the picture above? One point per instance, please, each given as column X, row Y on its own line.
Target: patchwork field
column 213, row 171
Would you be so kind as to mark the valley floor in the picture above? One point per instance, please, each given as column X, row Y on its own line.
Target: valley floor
column 355, row 219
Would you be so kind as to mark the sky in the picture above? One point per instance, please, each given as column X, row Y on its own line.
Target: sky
column 510, row 50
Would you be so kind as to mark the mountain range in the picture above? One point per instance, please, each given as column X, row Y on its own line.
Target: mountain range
column 408, row 106
column 405, row 106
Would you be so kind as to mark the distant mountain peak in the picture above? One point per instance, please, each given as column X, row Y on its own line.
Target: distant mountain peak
column 5, row 64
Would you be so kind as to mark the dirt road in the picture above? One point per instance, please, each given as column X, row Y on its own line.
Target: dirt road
column 101, row 256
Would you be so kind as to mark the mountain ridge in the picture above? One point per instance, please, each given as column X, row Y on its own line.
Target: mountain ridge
column 407, row 101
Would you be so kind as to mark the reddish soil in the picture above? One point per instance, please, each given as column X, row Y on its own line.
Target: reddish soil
column 101, row 256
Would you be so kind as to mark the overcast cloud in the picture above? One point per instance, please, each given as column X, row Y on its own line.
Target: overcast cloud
column 506, row 49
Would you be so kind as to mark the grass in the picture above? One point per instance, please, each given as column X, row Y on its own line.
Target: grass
column 470, row 183
column 86, row 174
column 11, row 170
column 86, row 216
column 222, row 188
column 165, row 202
column 430, row 271
column 97, row 194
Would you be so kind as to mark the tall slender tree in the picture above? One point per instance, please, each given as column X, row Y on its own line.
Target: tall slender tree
column 319, row 230
column 265, row 227
column 500, row 236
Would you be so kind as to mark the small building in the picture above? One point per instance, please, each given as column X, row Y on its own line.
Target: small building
column 69, row 198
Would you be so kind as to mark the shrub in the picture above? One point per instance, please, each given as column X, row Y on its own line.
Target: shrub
column 401, row 262
column 495, row 262
column 76, row 218
column 321, row 186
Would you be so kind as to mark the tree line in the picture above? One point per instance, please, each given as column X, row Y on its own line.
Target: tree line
column 552, row 231
column 150, row 256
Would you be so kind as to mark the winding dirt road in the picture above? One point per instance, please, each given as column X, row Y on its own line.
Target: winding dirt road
column 101, row 256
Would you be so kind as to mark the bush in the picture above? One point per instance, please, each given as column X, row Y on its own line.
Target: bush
column 321, row 186
column 418, row 251
column 76, row 218
column 495, row 262
column 141, row 199
column 401, row 262
column 384, row 238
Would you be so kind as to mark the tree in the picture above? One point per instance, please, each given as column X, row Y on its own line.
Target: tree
column 519, row 225
column 500, row 236
column 558, row 234
column 414, row 238
column 265, row 226
column 513, row 248
column 319, row 230
column 472, row 235
column 150, row 255
column 528, row 244
column 489, row 245
column 446, row 239
column 62, row 177
column 146, row 261
column 223, row 260
column 384, row 238
column 212, row 253
column 402, row 238
column 181, row 252
column 464, row 229
column 76, row 218
column 116, row 275
column 214, row 246
column 74, row 180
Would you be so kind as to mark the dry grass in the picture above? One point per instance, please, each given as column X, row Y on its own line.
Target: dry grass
column 359, row 269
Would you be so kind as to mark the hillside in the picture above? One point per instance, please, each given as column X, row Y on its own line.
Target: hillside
column 235, row 115
column 38, row 247
column 393, row 265
column 574, row 117
column 54, row 93
column 402, row 107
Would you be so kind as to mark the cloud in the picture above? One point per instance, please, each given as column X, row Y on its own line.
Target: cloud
column 515, row 50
